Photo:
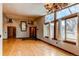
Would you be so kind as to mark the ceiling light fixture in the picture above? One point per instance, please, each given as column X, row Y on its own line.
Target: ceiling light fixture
column 51, row 7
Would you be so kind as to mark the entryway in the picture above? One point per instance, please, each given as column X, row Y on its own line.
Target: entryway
column 32, row 32
column 11, row 32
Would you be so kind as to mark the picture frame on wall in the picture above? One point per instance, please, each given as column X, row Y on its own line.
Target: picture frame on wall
column 23, row 26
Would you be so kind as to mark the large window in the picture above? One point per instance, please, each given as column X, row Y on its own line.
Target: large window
column 66, row 24
column 62, row 29
column 46, row 30
column 51, row 30
column 68, row 11
column 71, row 29
column 49, row 18
column 63, row 13
column 74, row 9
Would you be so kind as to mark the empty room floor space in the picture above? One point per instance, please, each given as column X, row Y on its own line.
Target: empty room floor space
column 31, row 47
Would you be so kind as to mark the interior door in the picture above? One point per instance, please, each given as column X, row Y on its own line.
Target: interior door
column 11, row 32
column 32, row 32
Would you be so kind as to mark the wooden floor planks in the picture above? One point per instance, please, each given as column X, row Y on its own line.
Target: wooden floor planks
column 30, row 47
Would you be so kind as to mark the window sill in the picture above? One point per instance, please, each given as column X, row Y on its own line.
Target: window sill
column 46, row 37
column 54, row 39
column 70, row 42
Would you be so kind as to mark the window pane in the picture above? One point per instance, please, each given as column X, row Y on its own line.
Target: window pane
column 71, row 29
column 63, row 13
column 46, row 30
column 75, row 8
column 68, row 11
column 62, row 29
column 49, row 18
column 52, row 30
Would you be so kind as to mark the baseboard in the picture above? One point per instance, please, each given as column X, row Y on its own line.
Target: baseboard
column 22, row 37
column 4, row 39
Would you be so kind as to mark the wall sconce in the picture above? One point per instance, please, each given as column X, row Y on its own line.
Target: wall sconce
column 30, row 22
column 10, row 20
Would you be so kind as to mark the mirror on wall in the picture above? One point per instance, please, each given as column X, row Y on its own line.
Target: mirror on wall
column 23, row 25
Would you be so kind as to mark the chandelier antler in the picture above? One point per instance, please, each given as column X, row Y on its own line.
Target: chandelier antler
column 55, row 6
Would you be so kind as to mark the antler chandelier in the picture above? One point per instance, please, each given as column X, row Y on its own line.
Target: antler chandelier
column 55, row 6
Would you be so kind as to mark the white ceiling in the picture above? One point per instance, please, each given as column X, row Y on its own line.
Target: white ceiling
column 26, row 9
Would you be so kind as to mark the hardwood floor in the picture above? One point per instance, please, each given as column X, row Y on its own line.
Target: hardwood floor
column 30, row 47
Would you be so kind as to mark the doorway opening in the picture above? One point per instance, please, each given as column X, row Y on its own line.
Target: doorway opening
column 32, row 32
column 11, row 32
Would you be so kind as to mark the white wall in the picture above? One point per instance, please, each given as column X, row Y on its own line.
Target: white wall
column 1, row 28
column 16, row 23
column 66, row 46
